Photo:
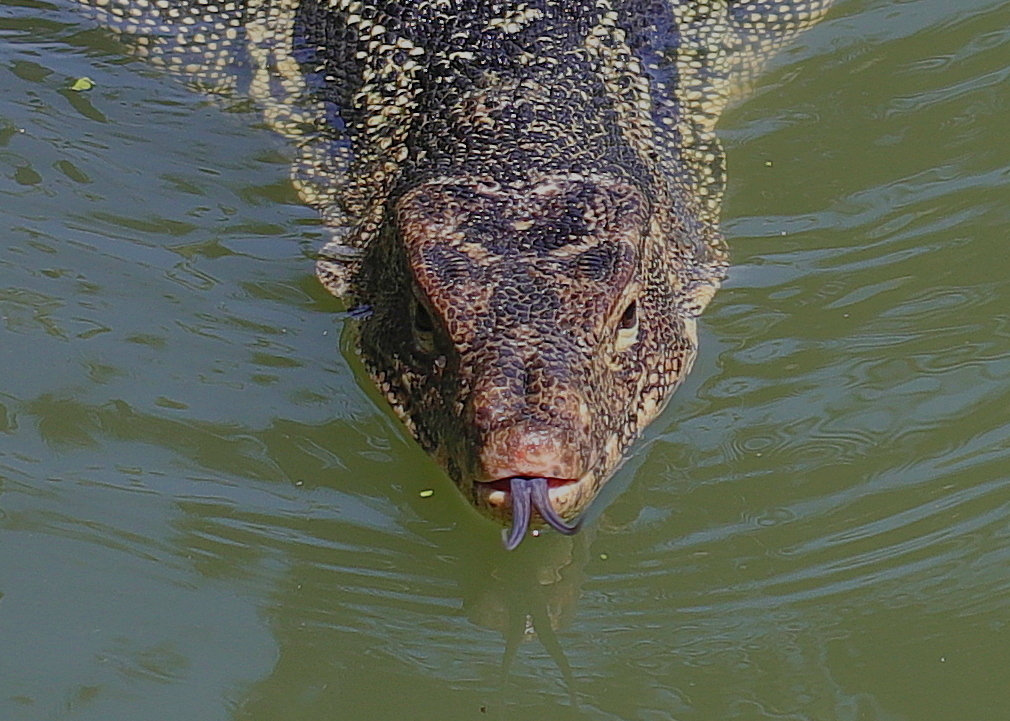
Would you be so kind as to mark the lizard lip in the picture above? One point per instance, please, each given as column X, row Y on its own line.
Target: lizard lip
column 502, row 484
column 497, row 493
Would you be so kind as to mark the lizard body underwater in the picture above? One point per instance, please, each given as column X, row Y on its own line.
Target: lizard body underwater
column 524, row 194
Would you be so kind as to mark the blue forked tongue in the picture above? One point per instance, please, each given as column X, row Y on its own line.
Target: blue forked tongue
column 527, row 494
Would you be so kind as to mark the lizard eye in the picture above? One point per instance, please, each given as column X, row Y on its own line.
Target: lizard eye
column 424, row 327
column 627, row 327
column 629, row 319
column 422, row 318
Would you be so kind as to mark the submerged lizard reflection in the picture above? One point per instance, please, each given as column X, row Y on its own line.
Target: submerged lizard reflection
column 530, row 595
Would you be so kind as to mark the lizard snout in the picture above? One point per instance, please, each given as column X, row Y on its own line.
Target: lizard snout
column 530, row 448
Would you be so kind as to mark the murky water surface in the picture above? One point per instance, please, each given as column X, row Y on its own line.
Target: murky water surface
column 203, row 514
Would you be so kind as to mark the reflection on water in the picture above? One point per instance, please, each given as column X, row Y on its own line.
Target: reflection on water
column 203, row 515
column 531, row 594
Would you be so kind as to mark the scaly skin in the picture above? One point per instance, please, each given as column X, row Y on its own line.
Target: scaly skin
column 525, row 194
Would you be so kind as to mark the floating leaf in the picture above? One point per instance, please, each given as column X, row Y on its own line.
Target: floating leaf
column 82, row 84
column 426, row 493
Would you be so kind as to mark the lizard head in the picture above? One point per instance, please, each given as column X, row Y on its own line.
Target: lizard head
column 526, row 334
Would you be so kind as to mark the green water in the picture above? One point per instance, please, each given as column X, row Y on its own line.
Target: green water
column 204, row 513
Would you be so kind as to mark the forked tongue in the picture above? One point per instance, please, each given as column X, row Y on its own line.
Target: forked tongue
column 527, row 494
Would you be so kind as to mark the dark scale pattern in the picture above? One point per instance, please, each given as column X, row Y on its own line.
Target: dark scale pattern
column 525, row 194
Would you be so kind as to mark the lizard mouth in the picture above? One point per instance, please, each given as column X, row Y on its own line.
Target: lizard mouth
column 526, row 494
column 505, row 484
